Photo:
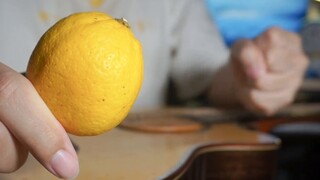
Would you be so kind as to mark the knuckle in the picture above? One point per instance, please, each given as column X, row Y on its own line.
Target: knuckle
column 275, row 29
column 8, row 85
column 240, row 45
column 248, row 50
column 273, row 35
column 276, row 35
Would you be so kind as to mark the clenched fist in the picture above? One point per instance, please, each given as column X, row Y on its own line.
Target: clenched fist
column 266, row 72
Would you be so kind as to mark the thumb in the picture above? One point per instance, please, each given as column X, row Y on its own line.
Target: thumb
column 31, row 122
column 249, row 59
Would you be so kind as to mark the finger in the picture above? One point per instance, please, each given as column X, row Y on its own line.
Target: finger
column 31, row 122
column 282, row 50
column 13, row 154
column 266, row 102
column 248, row 62
column 277, row 37
column 279, row 81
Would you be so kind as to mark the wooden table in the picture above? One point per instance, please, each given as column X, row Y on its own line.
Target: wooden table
column 131, row 154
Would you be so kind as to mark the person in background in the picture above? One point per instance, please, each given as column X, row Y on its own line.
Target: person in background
column 180, row 43
column 298, row 156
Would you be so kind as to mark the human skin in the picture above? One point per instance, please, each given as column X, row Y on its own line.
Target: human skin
column 263, row 74
column 27, row 125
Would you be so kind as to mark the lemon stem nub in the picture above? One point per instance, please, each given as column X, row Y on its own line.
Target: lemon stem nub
column 124, row 22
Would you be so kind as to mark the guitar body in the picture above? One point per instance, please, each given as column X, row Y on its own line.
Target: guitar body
column 169, row 144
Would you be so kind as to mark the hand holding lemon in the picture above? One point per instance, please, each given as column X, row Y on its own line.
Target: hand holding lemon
column 88, row 70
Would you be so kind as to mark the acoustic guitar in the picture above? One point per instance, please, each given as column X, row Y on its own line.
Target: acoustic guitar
column 177, row 143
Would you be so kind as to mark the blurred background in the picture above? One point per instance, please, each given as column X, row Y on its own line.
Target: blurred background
column 299, row 157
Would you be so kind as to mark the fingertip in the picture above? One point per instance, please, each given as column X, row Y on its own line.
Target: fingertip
column 64, row 165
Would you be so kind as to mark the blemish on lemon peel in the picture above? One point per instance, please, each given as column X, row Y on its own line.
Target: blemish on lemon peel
column 96, row 3
column 43, row 15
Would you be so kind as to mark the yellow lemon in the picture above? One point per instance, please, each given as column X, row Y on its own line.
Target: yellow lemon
column 88, row 68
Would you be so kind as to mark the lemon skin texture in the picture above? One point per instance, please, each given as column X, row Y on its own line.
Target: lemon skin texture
column 88, row 68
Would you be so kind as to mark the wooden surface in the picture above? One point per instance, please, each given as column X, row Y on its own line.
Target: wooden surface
column 130, row 154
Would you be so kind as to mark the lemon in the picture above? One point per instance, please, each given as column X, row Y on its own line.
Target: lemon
column 88, row 69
